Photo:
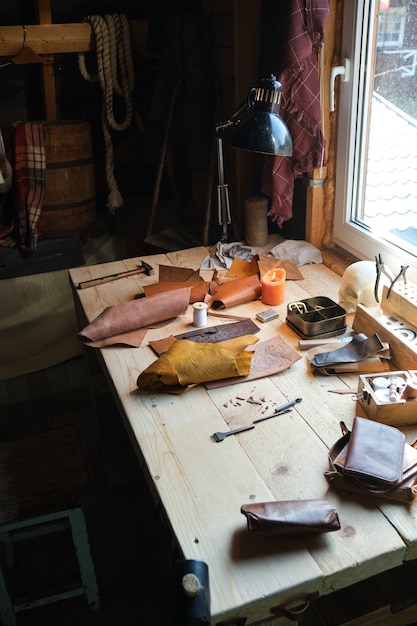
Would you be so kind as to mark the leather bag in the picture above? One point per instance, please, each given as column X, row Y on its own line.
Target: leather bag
column 374, row 459
column 291, row 517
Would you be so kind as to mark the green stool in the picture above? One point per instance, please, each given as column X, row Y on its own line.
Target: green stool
column 42, row 480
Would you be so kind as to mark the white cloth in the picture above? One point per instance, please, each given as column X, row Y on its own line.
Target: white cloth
column 298, row 252
column 224, row 254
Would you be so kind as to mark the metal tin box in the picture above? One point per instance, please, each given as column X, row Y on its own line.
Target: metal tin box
column 316, row 317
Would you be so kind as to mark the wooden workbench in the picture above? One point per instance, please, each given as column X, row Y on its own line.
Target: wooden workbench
column 201, row 484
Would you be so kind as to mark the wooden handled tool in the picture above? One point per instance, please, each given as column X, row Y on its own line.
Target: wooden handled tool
column 280, row 410
column 144, row 268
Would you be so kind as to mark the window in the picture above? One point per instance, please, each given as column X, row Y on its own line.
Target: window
column 391, row 24
column 376, row 169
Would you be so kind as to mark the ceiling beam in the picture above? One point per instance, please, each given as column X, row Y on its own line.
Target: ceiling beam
column 60, row 38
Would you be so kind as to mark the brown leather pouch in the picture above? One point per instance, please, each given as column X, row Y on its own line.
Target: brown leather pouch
column 375, row 454
column 379, row 464
column 291, row 517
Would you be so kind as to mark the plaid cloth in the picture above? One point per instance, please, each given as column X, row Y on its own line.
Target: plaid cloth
column 300, row 108
column 29, row 165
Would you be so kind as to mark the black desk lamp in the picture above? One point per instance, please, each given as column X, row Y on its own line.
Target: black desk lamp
column 255, row 126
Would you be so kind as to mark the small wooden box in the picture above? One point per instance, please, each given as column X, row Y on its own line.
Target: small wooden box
column 392, row 329
column 402, row 301
column 399, row 413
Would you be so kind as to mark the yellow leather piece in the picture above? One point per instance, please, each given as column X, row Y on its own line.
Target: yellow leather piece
column 188, row 363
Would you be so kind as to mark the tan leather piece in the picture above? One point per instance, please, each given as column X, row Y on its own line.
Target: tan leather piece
column 261, row 264
column 115, row 323
column 234, row 292
column 170, row 274
column 198, row 291
column 188, row 363
column 266, row 263
column 160, row 346
column 133, row 338
column 240, row 268
column 270, row 357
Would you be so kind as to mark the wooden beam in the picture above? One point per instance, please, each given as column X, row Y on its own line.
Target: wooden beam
column 60, row 38
column 46, row 38
column 320, row 198
column 247, row 27
column 44, row 11
column 48, row 72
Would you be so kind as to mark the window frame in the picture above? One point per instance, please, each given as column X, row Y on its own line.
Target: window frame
column 348, row 234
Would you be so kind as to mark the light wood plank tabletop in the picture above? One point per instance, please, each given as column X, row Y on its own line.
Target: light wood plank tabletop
column 202, row 484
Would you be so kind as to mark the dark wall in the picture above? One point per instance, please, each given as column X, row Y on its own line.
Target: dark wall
column 174, row 76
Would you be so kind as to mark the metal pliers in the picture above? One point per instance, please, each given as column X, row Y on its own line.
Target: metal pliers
column 381, row 269
column 402, row 272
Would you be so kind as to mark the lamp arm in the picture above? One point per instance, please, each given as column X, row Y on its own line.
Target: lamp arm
column 223, row 203
column 246, row 104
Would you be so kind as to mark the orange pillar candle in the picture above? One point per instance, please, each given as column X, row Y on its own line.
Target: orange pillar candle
column 273, row 286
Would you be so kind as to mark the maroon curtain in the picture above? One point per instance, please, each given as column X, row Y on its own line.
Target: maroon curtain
column 303, row 35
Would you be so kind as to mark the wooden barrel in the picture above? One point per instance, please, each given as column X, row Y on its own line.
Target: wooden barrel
column 69, row 205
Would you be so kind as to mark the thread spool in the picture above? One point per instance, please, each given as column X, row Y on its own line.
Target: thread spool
column 394, row 384
column 380, row 382
column 256, row 221
column 199, row 314
column 410, row 390
column 382, row 395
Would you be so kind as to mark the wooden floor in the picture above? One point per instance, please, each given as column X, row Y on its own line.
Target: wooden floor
column 130, row 545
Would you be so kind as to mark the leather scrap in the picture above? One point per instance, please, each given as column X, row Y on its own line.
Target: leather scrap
column 234, row 292
column 222, row 332
column 209, row 334
column 199, row 289
column 160, row 346
column 260, row 264
column 170, row 274
column 370, row 365
column 128, row 322
column 188, row 363
column 360, row 347
column 267, row 263
column 270, row 357
column 240, row 268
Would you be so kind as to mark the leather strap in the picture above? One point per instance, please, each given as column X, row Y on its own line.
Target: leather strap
column 295, row 612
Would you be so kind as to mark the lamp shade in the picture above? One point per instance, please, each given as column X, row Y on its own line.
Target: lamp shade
column 260, row 128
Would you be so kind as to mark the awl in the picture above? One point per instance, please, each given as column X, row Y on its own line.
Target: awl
column 280, row 410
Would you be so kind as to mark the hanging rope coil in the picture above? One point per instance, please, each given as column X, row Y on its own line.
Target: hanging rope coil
column 115, row 74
